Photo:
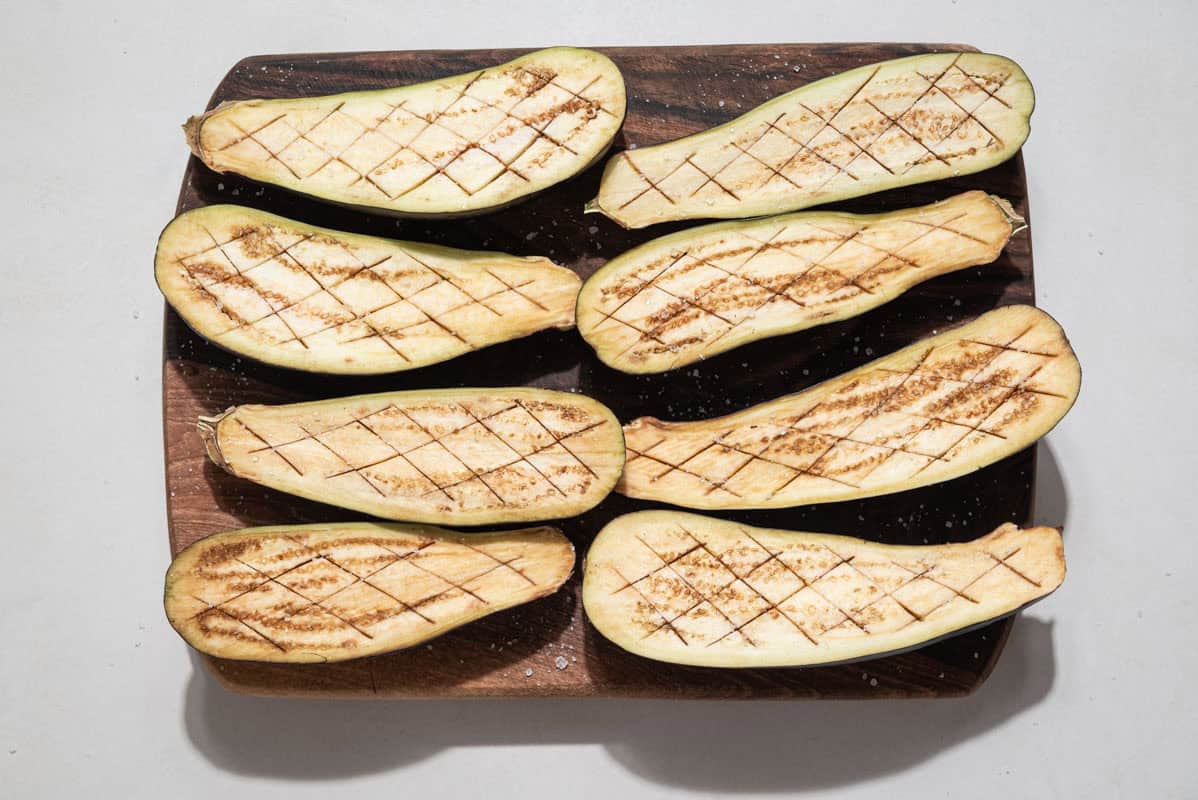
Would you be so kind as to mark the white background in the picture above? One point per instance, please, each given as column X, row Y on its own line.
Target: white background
column 1095, row 695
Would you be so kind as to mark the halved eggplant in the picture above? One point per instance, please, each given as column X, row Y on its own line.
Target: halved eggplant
column 445, row 456
column 877, row 127
column 702, row 291
column 310, row 298
column 315, row 593
column 938, row 409
column 690, row 589
column 457, row 146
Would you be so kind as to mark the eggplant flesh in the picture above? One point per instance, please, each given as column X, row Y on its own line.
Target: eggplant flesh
column 696, row 590
column 317, row 593
column 938, row 409
column 446, row 456
column 456, row 146
column 877, row 127
column 693, row 294
column 294, row 295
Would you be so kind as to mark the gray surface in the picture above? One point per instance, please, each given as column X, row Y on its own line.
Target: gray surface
column 1094, row 695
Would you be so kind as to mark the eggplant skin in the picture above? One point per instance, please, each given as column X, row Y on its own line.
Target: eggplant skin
column 696, row 590
column 706, row 290
column 294, row 295
column 877, row 127
column 453, row 147
column 443, row 456
column 331, row 592
column 935, row 410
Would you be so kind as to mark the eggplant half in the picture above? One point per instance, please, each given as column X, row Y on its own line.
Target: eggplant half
column 445, row 456
column 456, row 146
column 695, row 590
column 935, row 410
column 702, row 291
column 316, row 593
column 877, row 127
column 298, row 296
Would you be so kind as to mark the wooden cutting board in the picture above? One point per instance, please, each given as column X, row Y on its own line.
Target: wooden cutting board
column 547, row 648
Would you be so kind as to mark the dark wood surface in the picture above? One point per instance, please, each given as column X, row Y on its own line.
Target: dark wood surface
column 672, row 91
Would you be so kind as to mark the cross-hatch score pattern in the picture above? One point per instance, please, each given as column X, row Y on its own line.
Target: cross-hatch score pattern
column 817, row 151
column 484, row 454
column 486, row 136
column 289, row 594
column 927, row 414
column 300, row 290
column 744, row 593
column 709, row 292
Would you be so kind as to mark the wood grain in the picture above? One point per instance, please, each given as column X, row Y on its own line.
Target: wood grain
column 673, row 91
